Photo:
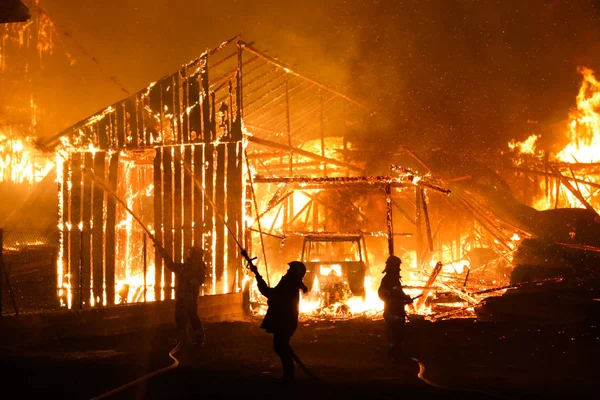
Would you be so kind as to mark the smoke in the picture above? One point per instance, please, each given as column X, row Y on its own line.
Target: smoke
column 440, row 73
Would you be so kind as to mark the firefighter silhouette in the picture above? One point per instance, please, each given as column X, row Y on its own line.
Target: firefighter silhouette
column 281, row 318
column 394, row 314
column 189, row 276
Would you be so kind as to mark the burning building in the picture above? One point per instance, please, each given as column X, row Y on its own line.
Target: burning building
column 237, row 148
column 233, row 149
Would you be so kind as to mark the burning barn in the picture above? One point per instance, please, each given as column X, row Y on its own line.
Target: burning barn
column 235, row 149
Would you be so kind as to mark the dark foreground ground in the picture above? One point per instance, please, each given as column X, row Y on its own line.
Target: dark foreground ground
column 467, row 359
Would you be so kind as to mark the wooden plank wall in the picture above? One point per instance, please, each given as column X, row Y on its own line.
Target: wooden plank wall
column 176, row 119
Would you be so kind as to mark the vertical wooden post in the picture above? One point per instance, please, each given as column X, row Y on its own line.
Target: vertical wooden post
column 167, row 215
column 209, row 212
column 418, row 223
column 98, row 229
column 315, row 213
column 239, row 93
column 111, row 214
column 287, row 117
column 144, row 135
column 121, row 124
column 145, row 261
column 86, row 235
column 322, row 125
column 234, row 205
column 427, row 222
column 131, row 123
column 206, row 133
column 220, row 201
column 158, row 221
column 198, row 206
column 75, row 218
column 188, row 200
column 66, row 212
column 196, row 108
column 389, row 220
column 177, row 117
column 177, row 207
column 184, row 104
column 80, row 284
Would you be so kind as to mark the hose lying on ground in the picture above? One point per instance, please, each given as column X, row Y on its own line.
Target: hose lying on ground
column 305, row 368
column 147, row 376
column 421, row 376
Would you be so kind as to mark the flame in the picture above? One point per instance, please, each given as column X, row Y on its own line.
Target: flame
column 528, row 146
column 20, row 162
column 583, row 147
column 584, row 125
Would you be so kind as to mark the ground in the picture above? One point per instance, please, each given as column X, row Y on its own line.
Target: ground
column 461, row 357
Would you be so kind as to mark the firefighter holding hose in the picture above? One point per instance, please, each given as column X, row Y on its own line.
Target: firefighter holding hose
column 394, row 314
column 190, row 276
column 282, row 314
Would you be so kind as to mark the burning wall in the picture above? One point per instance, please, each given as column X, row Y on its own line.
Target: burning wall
column 157, row 165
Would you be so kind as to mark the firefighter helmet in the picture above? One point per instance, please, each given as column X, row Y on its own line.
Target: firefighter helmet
column 297, row 268
column 392, row 264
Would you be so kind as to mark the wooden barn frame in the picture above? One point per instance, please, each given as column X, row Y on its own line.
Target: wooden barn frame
column 174, row 154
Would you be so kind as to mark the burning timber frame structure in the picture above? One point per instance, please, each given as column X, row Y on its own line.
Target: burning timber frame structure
column 174, row 156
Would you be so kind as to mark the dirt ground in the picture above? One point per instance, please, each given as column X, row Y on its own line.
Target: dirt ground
column 461, row 357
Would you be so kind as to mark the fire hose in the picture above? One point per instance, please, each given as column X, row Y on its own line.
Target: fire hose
column 147, row 376
column 421, row 376
column 295, row 357
column 248, row 259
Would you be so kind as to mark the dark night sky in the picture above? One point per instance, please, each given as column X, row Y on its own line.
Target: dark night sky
column 439, row 72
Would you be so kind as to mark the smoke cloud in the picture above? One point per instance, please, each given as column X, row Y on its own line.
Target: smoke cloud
column 439, row 73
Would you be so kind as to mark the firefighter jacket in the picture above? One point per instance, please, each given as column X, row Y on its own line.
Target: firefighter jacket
column 190, row 276
column 394, row 298
column 283, row 304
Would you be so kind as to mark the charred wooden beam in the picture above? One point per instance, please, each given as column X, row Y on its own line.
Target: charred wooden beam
column 195, row 107
column 66, row 219
column 344, row 180
column 75, row 219
column 188, row 202
column 111, row 214
column 432, row 277
column 98, row 229
column 209, row 212
column 205, row 101
column 86, row 235
column 419, row 224
column 158, row 221
column 575, row 192
column 403, row 212
column 177, row 206
column 550, row 174
column 178, row 109
column 389, row 219
column 167, row 215
column 427, row 222
column 289, row 71
column 220, row 201
column 234, row 210
column 131, row 123
column 198, row 205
